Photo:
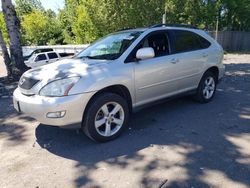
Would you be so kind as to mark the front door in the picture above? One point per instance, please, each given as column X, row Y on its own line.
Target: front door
column 40, row 60
column 155, row 77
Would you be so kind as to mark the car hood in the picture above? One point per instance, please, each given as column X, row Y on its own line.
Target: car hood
column 64, row 68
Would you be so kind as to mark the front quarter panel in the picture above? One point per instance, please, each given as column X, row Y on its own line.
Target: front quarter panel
column 105, row 75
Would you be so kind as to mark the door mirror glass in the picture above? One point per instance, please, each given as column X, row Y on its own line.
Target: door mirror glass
column 145, row 53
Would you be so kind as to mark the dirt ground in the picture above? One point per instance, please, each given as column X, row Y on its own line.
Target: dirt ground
column 174, row 144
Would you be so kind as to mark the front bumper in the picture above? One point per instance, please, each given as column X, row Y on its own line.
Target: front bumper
column 38, row 107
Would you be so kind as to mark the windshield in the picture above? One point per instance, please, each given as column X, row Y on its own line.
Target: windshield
column 110, row 47
column 27, row 52
column 32, row 58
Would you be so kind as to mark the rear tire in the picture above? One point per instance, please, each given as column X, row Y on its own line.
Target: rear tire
column 105, row 117
column 207, row 88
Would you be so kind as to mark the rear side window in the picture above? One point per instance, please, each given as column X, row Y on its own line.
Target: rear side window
column 41, row 57
column 52, row 55
column 185, row 41
column 204, row 42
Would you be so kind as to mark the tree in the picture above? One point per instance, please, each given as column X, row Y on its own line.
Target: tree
column 5, row 54
column 41, row 28
column 66, row 17
column 82, row 21
column 83, row 28
column 24, row 7
column 13, row 27
column 3, row 29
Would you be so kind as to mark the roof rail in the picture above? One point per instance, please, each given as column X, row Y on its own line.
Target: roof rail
column 125, row 28
column 173, row 25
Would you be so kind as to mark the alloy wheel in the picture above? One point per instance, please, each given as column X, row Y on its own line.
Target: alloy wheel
column 209, row 87
column 109, row 119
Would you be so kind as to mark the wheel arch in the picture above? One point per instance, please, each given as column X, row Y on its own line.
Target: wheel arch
column 214, row 70
column 120, row 90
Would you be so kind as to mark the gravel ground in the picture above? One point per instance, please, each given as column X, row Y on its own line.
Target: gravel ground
column 175, row 144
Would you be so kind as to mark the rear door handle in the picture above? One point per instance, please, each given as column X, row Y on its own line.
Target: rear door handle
column 174, row 61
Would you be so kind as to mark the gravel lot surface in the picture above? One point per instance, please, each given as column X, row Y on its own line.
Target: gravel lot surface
column 178, row 143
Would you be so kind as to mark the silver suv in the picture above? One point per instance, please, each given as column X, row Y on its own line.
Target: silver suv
column 125, row 70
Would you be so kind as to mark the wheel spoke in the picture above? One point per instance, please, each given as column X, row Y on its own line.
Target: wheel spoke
column 105, row 109
column 207, row 82
column 116, row 109
column 100, row 122
column 107, row 129
column 210, row 81
column 207, row 94
column 204, row 91
column 211, row 88
column 117, row 121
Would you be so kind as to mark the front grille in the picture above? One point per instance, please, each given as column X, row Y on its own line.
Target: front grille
column 27, row 83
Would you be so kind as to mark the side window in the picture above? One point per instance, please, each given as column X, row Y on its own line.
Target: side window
column 204, row 42
column 185, row 41
column 159, row 42
column 41, row 57
column 52, row 55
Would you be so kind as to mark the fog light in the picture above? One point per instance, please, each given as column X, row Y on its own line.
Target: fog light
column 59, row 114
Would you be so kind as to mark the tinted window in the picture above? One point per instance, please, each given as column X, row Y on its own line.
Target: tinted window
column 204, row 42
column 41, row 57
column 46, row 50
column 158, row 42
column 52, row 55
column 185, row 41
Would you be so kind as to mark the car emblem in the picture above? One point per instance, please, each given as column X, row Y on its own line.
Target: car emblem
column 22, row 81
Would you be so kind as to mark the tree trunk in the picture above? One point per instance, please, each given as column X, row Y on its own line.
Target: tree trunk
column 5, row 54
column 13, row 27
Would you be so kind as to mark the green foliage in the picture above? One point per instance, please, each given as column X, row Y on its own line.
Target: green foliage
column 83, row 21
column 82, row 27
column 100, row 17
column 41, row 28
column 3, row 29
column 24, row 7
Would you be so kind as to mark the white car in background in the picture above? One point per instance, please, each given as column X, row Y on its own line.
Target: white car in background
column 40, row 59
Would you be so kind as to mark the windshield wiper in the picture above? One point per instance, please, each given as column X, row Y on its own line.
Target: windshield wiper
column 91, row 57
column 86, row 57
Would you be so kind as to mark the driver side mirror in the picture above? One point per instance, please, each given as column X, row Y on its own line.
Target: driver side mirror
column 145, row 53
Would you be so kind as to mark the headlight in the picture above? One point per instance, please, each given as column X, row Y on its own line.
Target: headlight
column 59, row 88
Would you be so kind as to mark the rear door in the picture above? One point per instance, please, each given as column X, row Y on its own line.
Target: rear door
column 190, row 50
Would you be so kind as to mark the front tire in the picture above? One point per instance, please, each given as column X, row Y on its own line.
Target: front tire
column 106, row 117
column 207, row 88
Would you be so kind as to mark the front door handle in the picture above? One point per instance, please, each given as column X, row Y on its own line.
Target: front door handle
column 174, row 61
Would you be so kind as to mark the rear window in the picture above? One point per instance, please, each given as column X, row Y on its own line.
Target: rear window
column 185, row 41
column 52, row 55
